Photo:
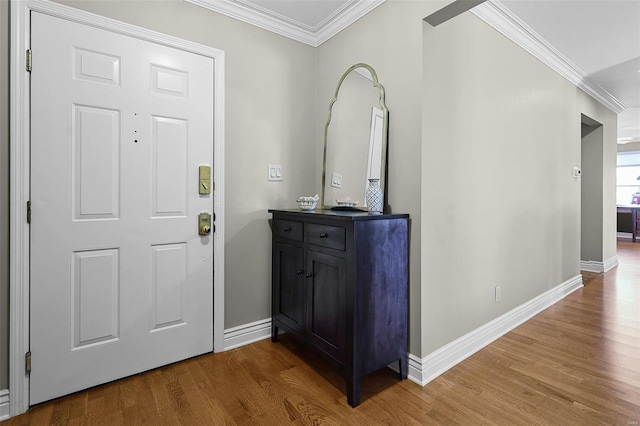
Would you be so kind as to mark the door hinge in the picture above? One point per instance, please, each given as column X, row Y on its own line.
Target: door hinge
column 28, row 58
column 28, row 211
column 27, row 362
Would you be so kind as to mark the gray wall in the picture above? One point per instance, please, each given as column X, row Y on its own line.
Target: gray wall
column 483, row 138
column 4, row 195
column 495, row 141
column 501, row 135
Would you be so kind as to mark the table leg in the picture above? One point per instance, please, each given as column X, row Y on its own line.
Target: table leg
column 353, row 390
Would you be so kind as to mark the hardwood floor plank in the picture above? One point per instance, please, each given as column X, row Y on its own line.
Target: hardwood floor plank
column 576, row 363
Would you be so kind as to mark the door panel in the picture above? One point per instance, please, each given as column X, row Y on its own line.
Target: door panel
column 326, row 302
column 121, row 282
column 96, row 302
column 96, row 163
column 168, row 278
column 288, row 285
column 169, row 166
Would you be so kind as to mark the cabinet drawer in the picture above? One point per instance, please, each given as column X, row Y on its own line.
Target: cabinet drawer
column 288, row 229
column 326, row 236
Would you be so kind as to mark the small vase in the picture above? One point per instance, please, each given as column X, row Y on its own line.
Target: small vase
column 374, row 197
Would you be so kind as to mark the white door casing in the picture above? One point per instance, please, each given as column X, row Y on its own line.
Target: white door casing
column 102, row 259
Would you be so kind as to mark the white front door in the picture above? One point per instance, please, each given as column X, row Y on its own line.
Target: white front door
column 121, row 282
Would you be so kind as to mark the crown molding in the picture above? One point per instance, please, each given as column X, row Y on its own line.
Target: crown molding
column 345, row 18
column 507, row 23
column 271, row 21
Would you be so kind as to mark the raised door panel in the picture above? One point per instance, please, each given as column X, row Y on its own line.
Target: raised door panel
column 169, row 189
column 288, row 286
column 95, row 303
column 325, row 293
column 96, row 163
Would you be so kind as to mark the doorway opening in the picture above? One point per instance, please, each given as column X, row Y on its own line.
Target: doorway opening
column 591, row 195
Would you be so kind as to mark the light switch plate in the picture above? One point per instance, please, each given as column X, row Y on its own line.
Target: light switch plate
column 336, row 180
column 275, row 172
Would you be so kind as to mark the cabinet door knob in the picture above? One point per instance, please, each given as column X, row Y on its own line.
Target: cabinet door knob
column 308, row 275
column 299, row 272
column 323, row 235
column 287, row 229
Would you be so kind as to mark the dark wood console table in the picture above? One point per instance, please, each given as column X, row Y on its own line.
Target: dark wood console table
column 635, row 219
column 340, row 285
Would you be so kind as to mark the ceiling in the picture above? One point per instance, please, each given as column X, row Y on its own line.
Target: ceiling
column 598, row 41
column 602, row 38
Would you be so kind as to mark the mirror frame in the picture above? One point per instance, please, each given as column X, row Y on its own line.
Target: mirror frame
column 385, row 131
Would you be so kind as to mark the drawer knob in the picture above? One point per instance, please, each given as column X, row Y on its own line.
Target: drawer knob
column 308, row 275
column 299, row 272
column 287, row 229
column 323, row 235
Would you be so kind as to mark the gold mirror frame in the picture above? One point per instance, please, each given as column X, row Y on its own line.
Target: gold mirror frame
column 385, row 131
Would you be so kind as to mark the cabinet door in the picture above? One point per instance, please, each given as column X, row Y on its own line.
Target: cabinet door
column 288, row 286
column 325, row 294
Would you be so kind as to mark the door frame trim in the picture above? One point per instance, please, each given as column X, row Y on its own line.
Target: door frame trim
column 19, row 173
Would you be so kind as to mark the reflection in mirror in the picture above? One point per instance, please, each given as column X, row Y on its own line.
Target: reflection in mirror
column 355, row 138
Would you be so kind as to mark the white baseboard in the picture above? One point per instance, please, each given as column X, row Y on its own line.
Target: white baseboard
column 248, row 333
column 611, row 263
column 4, row 404
column 625, row 236
column 595, row 266
column 591, row 266
column 416, row 367
column 422, row 371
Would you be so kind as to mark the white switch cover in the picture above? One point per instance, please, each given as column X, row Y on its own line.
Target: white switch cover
column 275, row 172
column 336, row 180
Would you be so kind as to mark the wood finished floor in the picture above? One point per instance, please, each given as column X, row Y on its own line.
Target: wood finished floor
column 576, row 363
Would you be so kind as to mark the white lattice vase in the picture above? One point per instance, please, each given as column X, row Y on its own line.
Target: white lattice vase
column 374, row 197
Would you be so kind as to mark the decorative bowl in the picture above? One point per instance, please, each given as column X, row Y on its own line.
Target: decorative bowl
column 307, row 203
column 347, row 202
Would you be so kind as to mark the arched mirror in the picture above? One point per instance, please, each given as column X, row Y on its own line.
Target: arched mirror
column 355, row 139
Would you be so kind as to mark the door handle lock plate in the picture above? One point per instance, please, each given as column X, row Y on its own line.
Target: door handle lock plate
column 204, row 224
column 204, row 186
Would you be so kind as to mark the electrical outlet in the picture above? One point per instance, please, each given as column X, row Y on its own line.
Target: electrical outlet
column 498, row 290
column 275, row 172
